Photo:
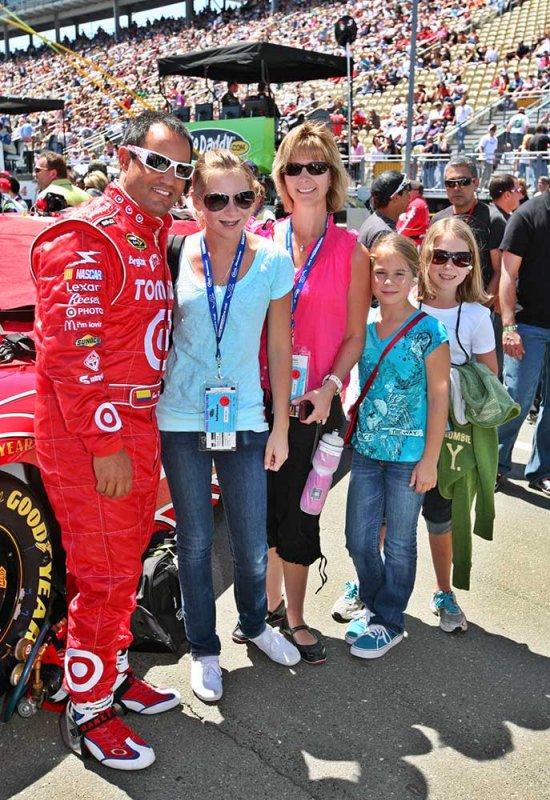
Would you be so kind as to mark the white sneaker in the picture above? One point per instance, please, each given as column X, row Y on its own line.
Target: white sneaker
column 206, row 678
column 349, row 605
column 276, row 647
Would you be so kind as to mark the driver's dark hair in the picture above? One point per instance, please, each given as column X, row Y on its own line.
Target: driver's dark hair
column 138, row 127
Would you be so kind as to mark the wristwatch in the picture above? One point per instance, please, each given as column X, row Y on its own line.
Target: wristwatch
column 335, row 379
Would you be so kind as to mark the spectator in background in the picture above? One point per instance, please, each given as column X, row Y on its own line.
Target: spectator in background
column 523, row 165
column 517, row 127
column 463, row 112
column 538, row 147
column 390, row 194
column 505, row 194
column 95, row 183
column 542, row 185
column 357, row 160
column 429, row 151
column 416, row 220
column 56, row 191
column 523, row 193
column 231, row 98
column 524, row 294
column 487, row 148
column 12, row 202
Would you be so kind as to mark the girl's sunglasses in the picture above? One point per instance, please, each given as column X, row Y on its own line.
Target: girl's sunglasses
column 160, row 163
column 215, row 201
column 461, row 259
column 294, row 168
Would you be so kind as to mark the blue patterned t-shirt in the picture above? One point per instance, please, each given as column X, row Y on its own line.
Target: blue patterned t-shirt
column 391, row 425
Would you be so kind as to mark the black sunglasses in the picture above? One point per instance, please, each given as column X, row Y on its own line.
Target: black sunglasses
column 294, row 168
column 454, row 182
column 160, row 163
column 215, row 201
column 461, row 259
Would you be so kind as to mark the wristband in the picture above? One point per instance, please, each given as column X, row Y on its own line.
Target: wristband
column 335, row 379
column 507, row 328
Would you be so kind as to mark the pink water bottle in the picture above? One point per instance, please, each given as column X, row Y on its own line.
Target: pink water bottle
column 325, row 463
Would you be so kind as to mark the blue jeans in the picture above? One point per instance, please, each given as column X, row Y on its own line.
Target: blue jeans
column 385, row 583
column 521, row 379
column 243, row 484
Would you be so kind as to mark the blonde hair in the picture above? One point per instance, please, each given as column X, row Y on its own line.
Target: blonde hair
column 401, row 246
column 221, row 161
column 96, row 180
column 471, row 289
column 318, row 140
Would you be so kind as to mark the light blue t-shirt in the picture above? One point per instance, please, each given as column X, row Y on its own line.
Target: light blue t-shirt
column 391, row 425
column 192, row 359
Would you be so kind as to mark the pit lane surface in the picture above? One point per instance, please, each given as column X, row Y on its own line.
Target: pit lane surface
column 441, row 717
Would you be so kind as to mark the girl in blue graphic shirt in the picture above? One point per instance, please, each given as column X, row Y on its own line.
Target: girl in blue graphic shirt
column 396, row 445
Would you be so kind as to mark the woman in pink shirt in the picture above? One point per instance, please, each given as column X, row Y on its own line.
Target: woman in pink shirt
column 330, row 304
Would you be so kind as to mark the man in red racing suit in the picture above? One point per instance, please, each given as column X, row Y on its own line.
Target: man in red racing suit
column 103, row 317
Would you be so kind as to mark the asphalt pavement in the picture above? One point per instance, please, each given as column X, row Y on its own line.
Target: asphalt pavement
column 444, row 717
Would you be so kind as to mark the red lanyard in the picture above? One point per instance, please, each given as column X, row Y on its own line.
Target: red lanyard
column 470, row 212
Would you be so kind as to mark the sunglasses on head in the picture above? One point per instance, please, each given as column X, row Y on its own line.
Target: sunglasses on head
column 404, row 186
column 461, row 259
column 216, row 201
column 159, row 162
column 294, row 168
column 454, row 182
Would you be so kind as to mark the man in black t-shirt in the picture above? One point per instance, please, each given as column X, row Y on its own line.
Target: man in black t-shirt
column 505, row 194
column 524, row 299
column 390, row 193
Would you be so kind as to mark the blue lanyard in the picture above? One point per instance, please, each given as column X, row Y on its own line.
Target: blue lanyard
column 306, row 269
column 219, row 324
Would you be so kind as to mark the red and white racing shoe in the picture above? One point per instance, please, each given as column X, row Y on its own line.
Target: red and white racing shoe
column 133, row 694
column 104, row 736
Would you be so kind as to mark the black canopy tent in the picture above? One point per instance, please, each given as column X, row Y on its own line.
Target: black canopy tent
column 250, row 62
column 28, row 105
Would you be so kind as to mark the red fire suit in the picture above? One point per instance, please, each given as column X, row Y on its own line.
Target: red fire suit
column 102, row 323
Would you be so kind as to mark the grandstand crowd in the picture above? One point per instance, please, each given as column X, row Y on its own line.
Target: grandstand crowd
column 449, row 48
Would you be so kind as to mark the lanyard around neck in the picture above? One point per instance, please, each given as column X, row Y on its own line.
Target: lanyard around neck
column 302, row 276
column 467, row 217
column 219, row 323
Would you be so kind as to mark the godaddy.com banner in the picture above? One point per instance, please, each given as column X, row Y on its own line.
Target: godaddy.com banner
column 252, row 138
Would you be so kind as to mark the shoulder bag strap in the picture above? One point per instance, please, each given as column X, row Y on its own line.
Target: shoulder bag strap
column 175, row 244
column 354, row 410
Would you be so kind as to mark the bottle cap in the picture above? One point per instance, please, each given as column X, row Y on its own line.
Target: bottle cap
column 334, row 439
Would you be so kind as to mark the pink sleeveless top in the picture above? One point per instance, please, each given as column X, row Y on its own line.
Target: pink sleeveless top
column 321, row 315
